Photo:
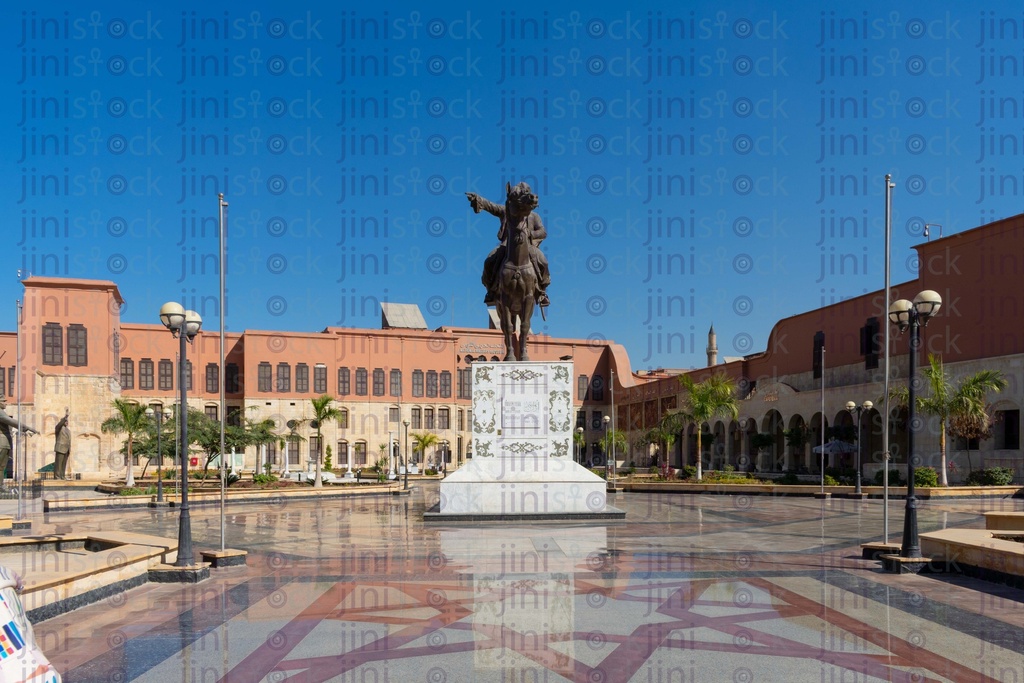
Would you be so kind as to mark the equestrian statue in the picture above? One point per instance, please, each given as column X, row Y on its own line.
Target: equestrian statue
column 516, row 272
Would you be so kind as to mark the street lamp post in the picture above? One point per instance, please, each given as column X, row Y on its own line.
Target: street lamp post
column 405, row 457
column 185, row 326
column 851, row 407
column 159, row 415
column 579, row 445
column 607, row 444
column 904, row 314
column 444, row 458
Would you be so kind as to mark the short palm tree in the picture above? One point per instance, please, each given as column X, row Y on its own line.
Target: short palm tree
column 704, row 401
column 323, row 411
column 964, row 402
column 130, row 419
column 422, row 441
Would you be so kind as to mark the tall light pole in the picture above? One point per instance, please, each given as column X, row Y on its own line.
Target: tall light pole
column 391, row 456
column 914, row 315
column 611, row 390
column 221, row 211
column 607, row 442
column 405, row 457
column 889, row 185
column 444, row 457
column 579, row 445
column 185, row 326
column 850, row 407
column 159, row 415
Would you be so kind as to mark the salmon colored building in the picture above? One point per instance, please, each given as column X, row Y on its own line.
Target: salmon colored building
column 979, row 274
column 77, row 354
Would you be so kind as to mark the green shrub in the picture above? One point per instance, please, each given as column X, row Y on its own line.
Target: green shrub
column 264, row 479
column 688, row 472
column 430, row 471
column 993, row 476
column 894, row 478
column 789, row 479
column 926, row 476
column 130, row 491
column 830, row 480
column 844, row 475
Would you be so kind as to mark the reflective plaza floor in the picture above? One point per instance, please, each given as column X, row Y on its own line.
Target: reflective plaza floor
column 689, row 588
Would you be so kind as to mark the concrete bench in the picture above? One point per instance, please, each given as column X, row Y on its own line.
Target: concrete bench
column 1004, row 521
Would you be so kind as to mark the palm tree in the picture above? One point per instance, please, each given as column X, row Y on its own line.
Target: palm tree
column 130, row 419
column 422, row 441
column 964, row 402
column 323, row 412
column 664, row 436
column 714, row 397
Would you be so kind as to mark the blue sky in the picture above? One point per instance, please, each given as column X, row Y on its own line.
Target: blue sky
column 712, row 163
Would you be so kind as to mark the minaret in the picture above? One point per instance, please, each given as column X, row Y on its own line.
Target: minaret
column 712, row 347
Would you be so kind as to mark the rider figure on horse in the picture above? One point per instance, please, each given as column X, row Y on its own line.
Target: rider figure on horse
column 519, row 205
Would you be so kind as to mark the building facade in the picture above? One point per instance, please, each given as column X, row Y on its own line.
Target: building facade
column 76, row 354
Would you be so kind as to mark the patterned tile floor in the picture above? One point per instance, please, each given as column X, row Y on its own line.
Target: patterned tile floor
column 688, row 588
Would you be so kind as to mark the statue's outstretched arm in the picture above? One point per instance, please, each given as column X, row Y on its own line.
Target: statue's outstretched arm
column 481, row 204
column 11, row 422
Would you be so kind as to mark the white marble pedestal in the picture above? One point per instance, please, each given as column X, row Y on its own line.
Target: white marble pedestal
column 522, row 465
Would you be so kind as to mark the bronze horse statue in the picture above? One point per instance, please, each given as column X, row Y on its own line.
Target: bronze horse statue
column 516, row 272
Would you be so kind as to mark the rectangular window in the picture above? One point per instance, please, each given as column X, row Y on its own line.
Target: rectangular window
column 378, row 382
column 272, row 453
column 231, row 378
column 264, row 377
column 432, row 383
column 344, row 382
column 416, row 419
column 145, row 374
column 417, row 383
column 596, row 420
column 396, row 382
column 1007, row 430
column 819, row 346
column 319, row 379
column 870, row 343
column 234, row 417
column 342, row 458
column 53, row 344
column 443, row 419
column 284, row 378
column 465, row 383
column 212, row 383
column 127, row 374
column 293, row 451
column 462, row 421
column 188, row 375
column 582, row 385
column 10, row 380
column 165, row 374
column 446, row 384
column 360, row 459
column 343, row 420
column 597, row 388
column 428, row 418
column 3, row 382
column 78, row 346
column 302, row 378
column 361, row 376
column 314, row 447
column 581, row 418
column 393, row 414
column 211, row 412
